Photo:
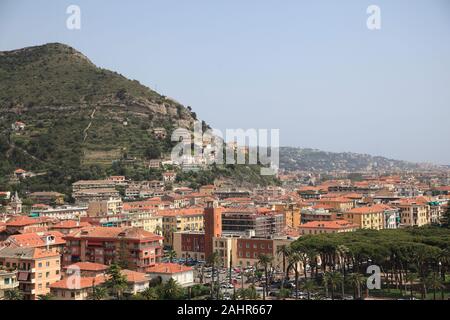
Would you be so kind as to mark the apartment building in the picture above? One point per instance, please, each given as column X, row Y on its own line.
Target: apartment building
column 189, row 219
column 111, row 206
column 84, row 196
column 413, row 212
column 367, row 217
column 189, row 244
column 8, row 281
column 138, row 248
column 147, row 220
column 93, row 184
column 37, row 268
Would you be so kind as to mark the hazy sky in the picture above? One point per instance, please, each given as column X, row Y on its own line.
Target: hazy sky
column 310, row 68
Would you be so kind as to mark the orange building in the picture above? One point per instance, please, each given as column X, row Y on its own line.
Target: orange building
column 140, row 249
column 37, row 269
column 213, row 226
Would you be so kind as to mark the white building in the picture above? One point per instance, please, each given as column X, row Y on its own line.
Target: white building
column 183, row 275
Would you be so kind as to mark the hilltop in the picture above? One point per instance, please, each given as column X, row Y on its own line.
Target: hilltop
column 82, row 121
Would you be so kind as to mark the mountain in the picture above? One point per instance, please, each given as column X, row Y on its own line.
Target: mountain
column 316, row 160
column 81, row 121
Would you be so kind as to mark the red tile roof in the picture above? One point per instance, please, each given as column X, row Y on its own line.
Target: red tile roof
column 168, row 268
column 335, row 224
column 87, row 266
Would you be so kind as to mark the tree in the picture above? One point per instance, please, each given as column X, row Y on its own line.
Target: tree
column 170, row 290
column 47, row 296
column 98, row 293
column 445, row 218
column 335, row 280
column 13, row 294
column 266, row 261
column 411, row 278
column 434, row 282
column 172, row 254
column 117, row 282
column 308, row 286
column 214, row 260
column 294, row 259
column 356, row 280
column 326, row 282
column 284, row 251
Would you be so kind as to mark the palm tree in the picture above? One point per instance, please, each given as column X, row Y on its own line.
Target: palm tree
column 13, row 294
column 170, row 290
column 171, row 254
column 326, row 282
column 214, row 260
column 98, row 293
column 356, row 280
column 294, row 259
column 335, row 280
column 308, row 287
column 150, row 293
column 284, row 251
column 434, row 282
column 266, row 261
column 411, row 278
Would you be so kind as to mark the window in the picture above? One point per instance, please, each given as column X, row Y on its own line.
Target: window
column 40, row 265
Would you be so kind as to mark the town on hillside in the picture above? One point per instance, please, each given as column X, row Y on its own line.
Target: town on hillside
column 313, row 236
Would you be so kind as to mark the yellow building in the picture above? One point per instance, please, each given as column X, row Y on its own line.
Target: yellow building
column 190, row 219
column 292, row 214
column 413, row 212
column 367, row 217
column 149, row 221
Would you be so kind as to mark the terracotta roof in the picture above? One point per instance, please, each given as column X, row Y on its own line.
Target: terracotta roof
column 22, row 221
column 84, row 282
column 70, row 224
column 337, row 200
column 372, row 209
column 114, row 232
column 34, row 240
column 335, row 224
column 87, row 266
column 168, row 268
column 135, row 277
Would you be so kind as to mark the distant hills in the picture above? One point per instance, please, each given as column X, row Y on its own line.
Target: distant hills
column 317, row 160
